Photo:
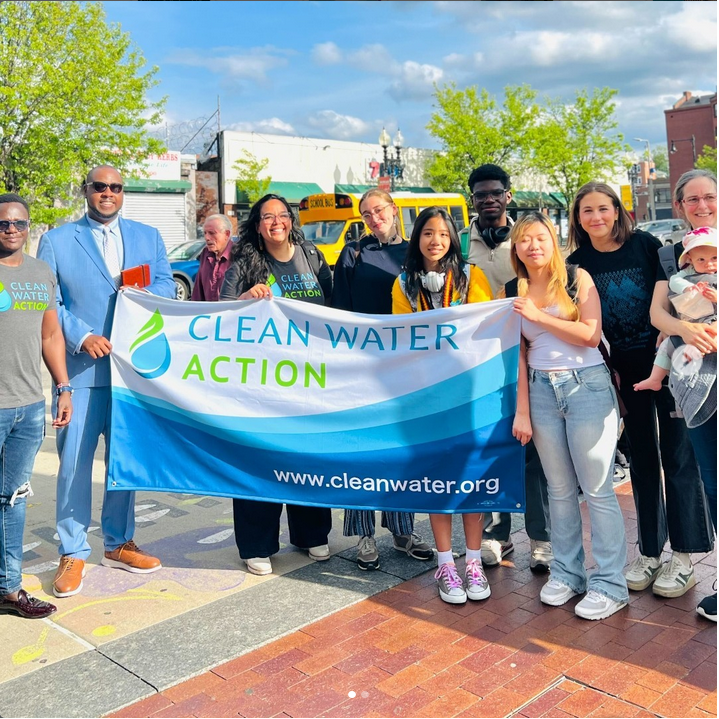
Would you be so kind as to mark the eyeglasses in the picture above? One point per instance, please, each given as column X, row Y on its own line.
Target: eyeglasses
column 367, row 216
column 115, row 187
column 20, row 225
column 694, row 201
column 268, row 219
column 484, row 196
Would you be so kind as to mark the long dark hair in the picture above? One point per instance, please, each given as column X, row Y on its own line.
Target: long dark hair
column 414, row 262
column 250, row 252
column 623, row 226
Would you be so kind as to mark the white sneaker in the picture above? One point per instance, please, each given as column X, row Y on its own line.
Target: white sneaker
column 541, row 555
column 597, row 606
column 321, row 553
column 259, row 566
column 642, row 572
column 676, row 577
column 493, row 550
column 556, row 593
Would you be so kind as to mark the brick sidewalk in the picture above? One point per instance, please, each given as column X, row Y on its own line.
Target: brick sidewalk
column 405, row 653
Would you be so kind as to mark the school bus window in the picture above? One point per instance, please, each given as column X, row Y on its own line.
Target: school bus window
column 409, row 215
column 324, row 232
column 458, row 216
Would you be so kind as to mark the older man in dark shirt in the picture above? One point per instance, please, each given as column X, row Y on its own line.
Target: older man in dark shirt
column 214, row 259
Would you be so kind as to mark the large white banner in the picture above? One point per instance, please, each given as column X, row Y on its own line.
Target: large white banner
column 291, row 402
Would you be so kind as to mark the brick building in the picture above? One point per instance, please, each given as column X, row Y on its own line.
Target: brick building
column 691, row 124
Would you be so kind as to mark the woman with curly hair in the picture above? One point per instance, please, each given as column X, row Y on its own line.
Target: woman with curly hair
column 272, row 258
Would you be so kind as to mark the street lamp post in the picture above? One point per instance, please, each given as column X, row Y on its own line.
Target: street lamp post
column 392, row 166
column 691, row 139
column 650, row 179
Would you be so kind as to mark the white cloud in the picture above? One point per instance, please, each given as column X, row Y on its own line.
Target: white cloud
column 339, row 127
column 326, row 53
column 415, row 81
column 271, row 125
column 251, row 65
column 373, row 58
column 694, row 27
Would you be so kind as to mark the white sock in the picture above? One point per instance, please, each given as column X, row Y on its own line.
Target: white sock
column 684, row 558
column 474, row 554
column 444, row 557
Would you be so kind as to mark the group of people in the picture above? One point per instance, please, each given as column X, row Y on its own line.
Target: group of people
column 616, row 284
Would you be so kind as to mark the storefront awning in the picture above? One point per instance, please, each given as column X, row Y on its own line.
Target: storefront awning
column 178, row 186
column 293, row 192
column 361, row 189
column 525, row 199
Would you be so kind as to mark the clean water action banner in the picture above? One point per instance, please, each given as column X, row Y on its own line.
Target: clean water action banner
column 291, row 402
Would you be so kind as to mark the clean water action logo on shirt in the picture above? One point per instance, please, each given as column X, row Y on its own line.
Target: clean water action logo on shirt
column 5, row 299
column 150, row 352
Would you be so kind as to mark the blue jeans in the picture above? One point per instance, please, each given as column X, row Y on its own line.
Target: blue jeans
column 21, row 433
column 704, row 441
column 575, row 420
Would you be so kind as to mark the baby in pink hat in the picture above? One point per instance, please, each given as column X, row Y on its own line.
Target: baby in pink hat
column 693, row 292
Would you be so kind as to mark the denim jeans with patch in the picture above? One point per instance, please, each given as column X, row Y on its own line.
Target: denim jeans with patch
column 21, row 433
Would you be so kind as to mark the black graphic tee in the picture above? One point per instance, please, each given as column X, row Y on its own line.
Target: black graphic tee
column 625, row 283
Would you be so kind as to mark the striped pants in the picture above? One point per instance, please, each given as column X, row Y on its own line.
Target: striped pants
column 361, row 522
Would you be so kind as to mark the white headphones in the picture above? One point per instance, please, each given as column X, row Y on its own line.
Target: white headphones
column 432, row 281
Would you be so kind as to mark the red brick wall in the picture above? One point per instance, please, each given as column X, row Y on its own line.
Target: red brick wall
column 682, row 123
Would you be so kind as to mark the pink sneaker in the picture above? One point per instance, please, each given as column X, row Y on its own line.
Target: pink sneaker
column 450, row 584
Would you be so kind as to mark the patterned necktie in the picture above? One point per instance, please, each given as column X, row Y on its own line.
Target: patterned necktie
column 110, row 253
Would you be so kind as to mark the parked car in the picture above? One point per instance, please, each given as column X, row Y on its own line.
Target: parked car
column 666, row 231
column 184, row 262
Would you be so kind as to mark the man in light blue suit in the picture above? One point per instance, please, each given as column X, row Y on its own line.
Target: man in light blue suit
column 87, row 257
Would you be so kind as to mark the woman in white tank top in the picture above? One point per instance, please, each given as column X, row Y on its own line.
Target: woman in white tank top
column 566, row 403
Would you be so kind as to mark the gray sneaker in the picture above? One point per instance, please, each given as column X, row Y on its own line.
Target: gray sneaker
column 367, row 556
column 450, row 584
column 476, row 581
column 413, row 545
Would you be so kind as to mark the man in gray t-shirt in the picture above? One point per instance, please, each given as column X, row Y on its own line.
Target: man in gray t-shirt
column 30, row 330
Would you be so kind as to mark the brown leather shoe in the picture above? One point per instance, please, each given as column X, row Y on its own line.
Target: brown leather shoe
column 27, row 606
column 68, row 578
column 131, row 558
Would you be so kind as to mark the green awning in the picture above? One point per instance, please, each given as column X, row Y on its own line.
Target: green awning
column 178, row 186
column 293, row 192
column 526, row 199
column 361, row 189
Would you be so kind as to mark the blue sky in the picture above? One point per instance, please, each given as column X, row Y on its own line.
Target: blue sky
column 342, row 70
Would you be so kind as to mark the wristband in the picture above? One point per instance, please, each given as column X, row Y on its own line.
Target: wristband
column 63, row 388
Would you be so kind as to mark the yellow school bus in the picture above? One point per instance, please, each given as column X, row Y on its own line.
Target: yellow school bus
column 332, row 220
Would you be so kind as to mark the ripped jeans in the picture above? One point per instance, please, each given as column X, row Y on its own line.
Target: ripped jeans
column 21, row 433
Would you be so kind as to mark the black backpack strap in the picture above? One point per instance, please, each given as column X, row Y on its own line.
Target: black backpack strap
column 312, row 256
column 510, row 288
column 668, row 260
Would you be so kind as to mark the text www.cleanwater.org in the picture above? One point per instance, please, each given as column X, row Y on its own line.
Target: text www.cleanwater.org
column 387, row 485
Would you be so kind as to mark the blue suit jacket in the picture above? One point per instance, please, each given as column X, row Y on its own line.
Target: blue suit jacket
column 86, row 293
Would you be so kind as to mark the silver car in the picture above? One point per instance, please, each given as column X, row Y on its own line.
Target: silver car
column 666, row 231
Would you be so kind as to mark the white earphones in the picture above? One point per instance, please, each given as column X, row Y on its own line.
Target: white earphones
column 432, row 281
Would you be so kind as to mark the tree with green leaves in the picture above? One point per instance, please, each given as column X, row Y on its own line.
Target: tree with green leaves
column 473, row 129
column 661, row 158
column 708, row 159
column 578, row 142
column 248, row 181
column 73, row 94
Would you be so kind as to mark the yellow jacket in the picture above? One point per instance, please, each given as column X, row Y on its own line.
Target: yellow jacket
column 479, row 291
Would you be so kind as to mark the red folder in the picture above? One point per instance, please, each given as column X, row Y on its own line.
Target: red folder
column 136, row 276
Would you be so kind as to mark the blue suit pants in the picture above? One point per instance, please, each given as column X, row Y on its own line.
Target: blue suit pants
column 76, row 446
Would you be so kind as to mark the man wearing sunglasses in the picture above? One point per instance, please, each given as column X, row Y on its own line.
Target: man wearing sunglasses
column 30, row 330
column 489, row 249
column 87, row 258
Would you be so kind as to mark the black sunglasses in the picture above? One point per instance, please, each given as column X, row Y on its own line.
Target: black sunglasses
column 20, row 225
column 115, row 187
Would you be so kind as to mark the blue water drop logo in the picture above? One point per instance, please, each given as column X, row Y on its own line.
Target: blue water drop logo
column 274, row 286
column 150, row 352
column 5, row 299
